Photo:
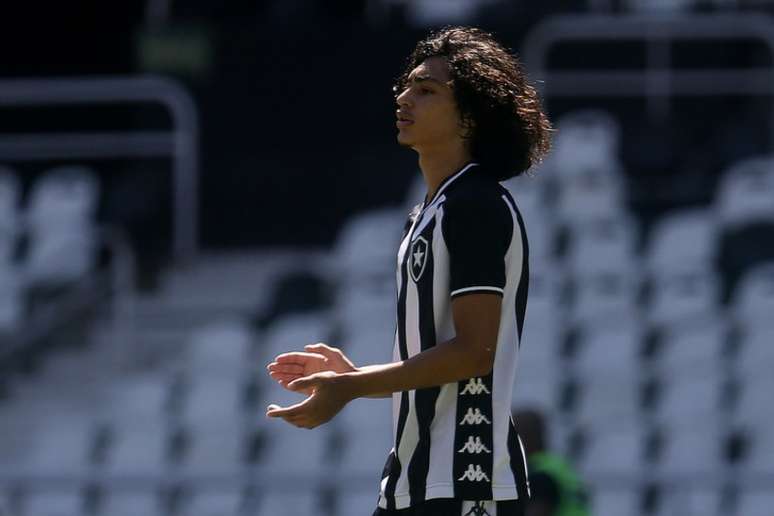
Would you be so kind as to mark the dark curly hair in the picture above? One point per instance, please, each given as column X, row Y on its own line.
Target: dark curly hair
column 507, row 130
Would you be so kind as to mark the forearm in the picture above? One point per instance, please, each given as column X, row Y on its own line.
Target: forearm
column 445, row 363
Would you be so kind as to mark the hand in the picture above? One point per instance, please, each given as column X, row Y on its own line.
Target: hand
column 329, row 396
column 318, row 358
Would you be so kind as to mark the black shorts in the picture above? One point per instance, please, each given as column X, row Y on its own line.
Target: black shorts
column 454, row 507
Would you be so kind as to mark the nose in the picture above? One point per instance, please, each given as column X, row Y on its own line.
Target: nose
column 404, row 98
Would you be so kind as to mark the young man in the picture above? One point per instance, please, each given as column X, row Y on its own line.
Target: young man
column 466, row 108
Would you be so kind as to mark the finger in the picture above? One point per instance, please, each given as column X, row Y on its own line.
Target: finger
column 286, row 378
column 296, row 357
column 321, row 348
column 307, row 382
column 286, row 368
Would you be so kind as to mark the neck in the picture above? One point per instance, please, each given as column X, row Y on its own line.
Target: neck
column 437, row 166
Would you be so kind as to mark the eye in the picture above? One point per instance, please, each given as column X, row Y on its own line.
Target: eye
column 425, row 91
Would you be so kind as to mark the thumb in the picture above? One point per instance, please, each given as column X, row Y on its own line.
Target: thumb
column 320, row 348
column 303, row 383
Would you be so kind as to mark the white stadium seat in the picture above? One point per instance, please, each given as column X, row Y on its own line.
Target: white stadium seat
column 684, row 297
column 603, row 245
column 755, row 502
column 746, row 192
column 63, row 237
column 120, row 502
column 682, row 239
column 688, row 348
column 61, row 502
column 753, row 299
column 604, row 296
column 214, row 502
column 687, row 452
column 586, row 140
column 221, row 346
column 616, row 502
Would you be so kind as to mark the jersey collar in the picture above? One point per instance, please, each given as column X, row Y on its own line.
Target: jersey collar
column 446, row 182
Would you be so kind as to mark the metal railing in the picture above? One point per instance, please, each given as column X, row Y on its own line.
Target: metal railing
column 658, row 80
column 179, row 143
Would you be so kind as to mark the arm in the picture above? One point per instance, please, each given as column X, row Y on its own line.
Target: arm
column 469, row 354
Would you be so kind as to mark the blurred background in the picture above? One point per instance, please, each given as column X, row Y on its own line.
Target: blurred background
column 189, row 188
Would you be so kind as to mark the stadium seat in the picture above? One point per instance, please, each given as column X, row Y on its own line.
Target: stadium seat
column 754, row 502
column 686, row 239
column 616, row 502
column 365, row 346
column 756, row 353
column 214, row 399
column 753, row 300
column 289, row 502
column 539, row 219
column 688, row 501
column 61, row 448
column 746, row 193
column 546, row 299
column 603, row 245
column 214, row 502
column 607, row 368
column 216, row 448
column 755, row 393
column 363, row 455
column 695, row 395
column 604, row 296
column 60, row 502
column 686, row 452
column 288, row 449
column 12, row 308
column 590, row 195
column 63, row 237
column 119, row 502
column 292, row 333
column 611, row 349
column 585, row 140
column 689, row 297
column 220, row 347
column 616, row 451
column 696, row 346
column 357, row 503
column 10, row 195
column 366, row 306
column 367, row 245
column 138, row 449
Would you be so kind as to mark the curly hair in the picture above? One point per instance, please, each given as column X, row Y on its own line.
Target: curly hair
column 506, row 128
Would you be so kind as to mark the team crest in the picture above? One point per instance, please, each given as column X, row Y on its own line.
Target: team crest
column 418, row 258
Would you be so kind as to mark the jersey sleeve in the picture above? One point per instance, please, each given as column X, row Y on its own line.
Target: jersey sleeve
column 478, row 231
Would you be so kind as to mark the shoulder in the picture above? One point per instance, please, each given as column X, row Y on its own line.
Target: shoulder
column 479, row 197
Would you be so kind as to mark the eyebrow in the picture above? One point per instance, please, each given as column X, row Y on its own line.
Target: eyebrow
column 426, row 78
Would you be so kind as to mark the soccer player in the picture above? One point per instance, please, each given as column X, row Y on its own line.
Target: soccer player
column 465, row 106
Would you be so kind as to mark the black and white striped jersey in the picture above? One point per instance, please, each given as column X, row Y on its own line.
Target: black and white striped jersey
column 458, row 440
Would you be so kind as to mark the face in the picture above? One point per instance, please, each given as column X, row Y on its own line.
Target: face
column 427, row 112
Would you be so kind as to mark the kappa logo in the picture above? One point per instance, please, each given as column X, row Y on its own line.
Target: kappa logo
column 474, row 474
column 474, row 446
column 475, row 386
column 418, row 258
column 474, row 418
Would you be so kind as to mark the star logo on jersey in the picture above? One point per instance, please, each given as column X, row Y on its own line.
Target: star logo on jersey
column 418, row 258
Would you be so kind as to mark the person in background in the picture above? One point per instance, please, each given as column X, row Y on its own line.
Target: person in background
column 555, row 489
